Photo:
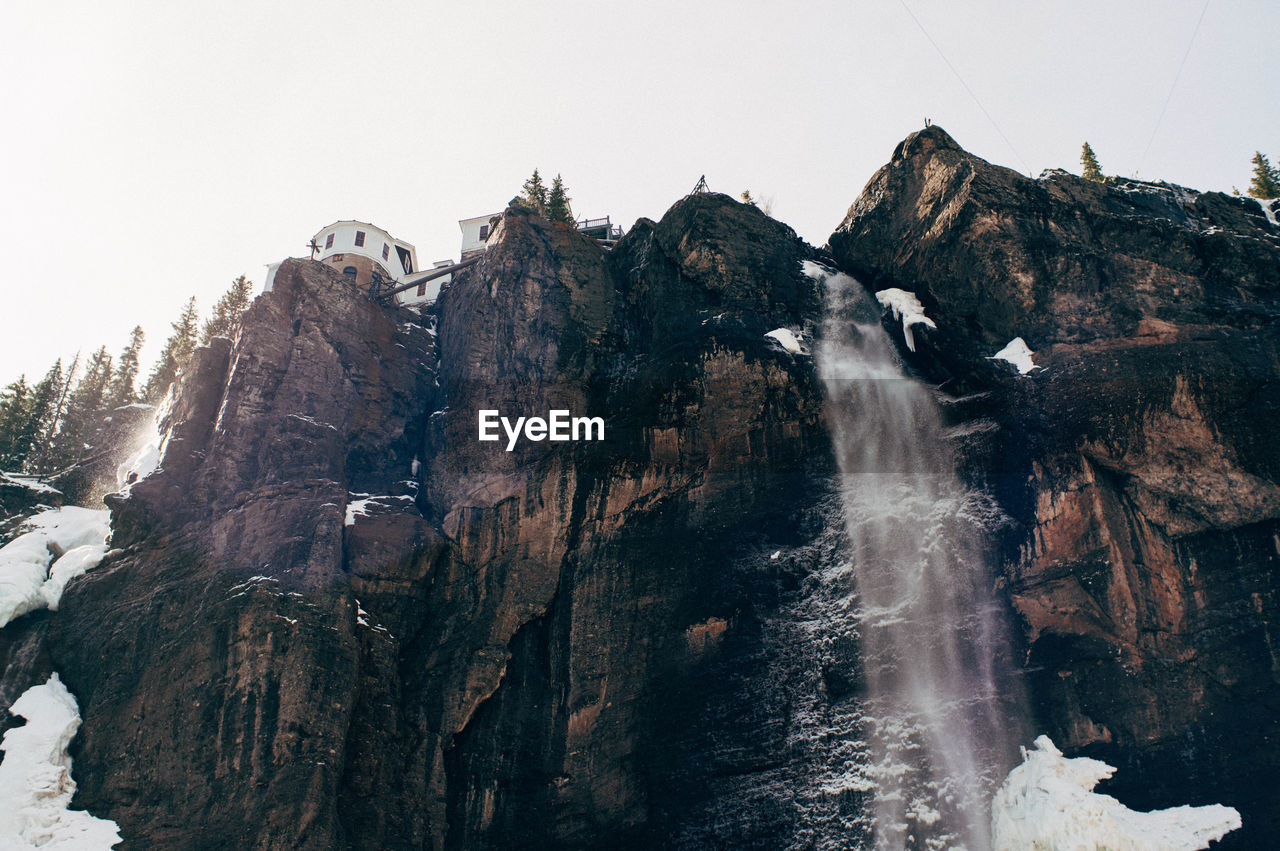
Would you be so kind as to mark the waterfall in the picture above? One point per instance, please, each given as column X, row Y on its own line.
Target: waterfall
column 935, row 723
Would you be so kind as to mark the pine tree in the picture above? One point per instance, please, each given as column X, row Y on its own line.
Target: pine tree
column 176, row 353
column 1089, row 162
column 225, row 321
column 558, row 209
column 85, row 409
column 40, row 417
column 42, row 460
column 535, row 194
column 1266, row 178
column 122, row 391
column 15, row 401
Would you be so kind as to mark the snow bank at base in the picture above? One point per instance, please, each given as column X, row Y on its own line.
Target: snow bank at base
column 35, row 778
column 35, row 567
column 1048, row 804
column 906, row 307
column 1017, row 353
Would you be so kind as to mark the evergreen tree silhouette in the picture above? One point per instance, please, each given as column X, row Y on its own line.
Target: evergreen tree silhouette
column 175, row 354
column 225, row 320
column 85, row 409
column 41, row 421
column 15, row 402
column 535, row 193
column 1266, row 178
column 558, row 209
column 1089, row 162
column 122, row 390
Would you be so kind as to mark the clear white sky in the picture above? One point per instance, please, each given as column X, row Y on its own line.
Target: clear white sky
column 155, row 150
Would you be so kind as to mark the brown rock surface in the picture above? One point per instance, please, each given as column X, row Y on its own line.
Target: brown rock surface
column 1139, row 464
column 494, row 632
column 215, row 653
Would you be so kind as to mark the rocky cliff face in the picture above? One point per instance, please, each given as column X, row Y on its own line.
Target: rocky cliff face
column 334, row 618
column 1139, row 463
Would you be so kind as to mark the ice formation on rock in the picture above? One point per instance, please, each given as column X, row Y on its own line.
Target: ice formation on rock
column 35, row 778
column 1048, row 804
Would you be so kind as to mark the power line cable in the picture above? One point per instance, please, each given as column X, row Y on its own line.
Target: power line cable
column 1143, row 160
column 1025, row 167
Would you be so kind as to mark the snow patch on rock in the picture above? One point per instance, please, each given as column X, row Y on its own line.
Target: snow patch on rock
column 35, row 778
column 60, row 544
column 816, row 271
column 31, row 483
column 1048, row 804
column 907, row 308
column 787, row 339
column 1017, row 353
column 364, row 505
column 1269, row 210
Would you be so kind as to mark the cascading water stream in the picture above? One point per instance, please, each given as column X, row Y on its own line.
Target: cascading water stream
column 938, row 714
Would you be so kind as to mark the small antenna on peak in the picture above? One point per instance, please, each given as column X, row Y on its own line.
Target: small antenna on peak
column 314, row 248
column 702, row 187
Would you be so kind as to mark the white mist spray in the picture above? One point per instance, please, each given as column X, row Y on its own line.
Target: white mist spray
column 147, row 447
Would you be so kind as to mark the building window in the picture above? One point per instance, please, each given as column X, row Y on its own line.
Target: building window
column 484, row 232
column 328, row 242
column 350, row 272
column 386, row 251
column 359, row 239
column 422, row 289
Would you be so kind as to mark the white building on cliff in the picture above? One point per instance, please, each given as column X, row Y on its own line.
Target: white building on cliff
column 365, row 252
column 371, row 257
column 377, row 261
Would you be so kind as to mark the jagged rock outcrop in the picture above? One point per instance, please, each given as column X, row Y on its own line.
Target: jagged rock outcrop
column 334, row 618
column 215, row 651
column 1139, row 464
